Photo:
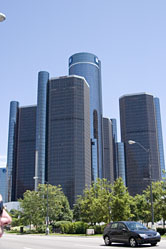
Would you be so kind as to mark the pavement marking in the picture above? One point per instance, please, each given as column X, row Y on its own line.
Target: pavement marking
column 27, row 248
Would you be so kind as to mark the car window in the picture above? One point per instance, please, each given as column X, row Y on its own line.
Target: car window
column 136, row 226
column 114, row 226
column 121, row 226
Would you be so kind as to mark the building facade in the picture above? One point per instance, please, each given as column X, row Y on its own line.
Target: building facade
column 26, row 142
column 108, row 171
column 12, row 150
column 21, row 150
column 121, row 161
column 89, row 66
column 160, row 137
column 138, row 123
column 68, row 151
column 40, row 152
column 115, row 156
column 3, row 183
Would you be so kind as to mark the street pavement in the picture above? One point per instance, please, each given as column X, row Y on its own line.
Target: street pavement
column 11, row 241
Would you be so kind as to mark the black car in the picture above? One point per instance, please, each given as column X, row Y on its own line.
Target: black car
column 129, row 232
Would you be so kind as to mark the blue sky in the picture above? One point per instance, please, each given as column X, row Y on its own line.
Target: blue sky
column 128, row 36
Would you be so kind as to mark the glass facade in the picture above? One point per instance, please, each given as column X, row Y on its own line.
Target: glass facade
column 114, row 137
column 26, row 142
column 69, row 154
column 138, row 123
column 108, row 150
column 11, row 154
column 3, row 183
column 121, row 161
column 159, row 136
column 43, row 78
column 89, row 66
column 94, row 159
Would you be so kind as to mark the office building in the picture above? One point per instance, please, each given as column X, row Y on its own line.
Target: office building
column 11, row 154
column 3, row 183
column 121, row 161
column 108, row 171
column 26, row 142
column 40, row 150
column 69, row 154
column 138, row 123
column 21, row 164
column 89, row 66
column 160, row 137
column 114, row 137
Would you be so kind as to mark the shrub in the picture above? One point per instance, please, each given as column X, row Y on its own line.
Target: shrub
column 161, row 230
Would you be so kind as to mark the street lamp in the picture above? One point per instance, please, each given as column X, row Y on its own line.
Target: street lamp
column 47, row 218
column 150, row 176
column 2, row 17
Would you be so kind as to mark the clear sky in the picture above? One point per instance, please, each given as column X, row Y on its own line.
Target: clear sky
column 128, row 36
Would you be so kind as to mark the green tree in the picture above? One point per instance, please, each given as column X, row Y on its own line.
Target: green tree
column 94, row 205
column 34, row 206
column 120, row 202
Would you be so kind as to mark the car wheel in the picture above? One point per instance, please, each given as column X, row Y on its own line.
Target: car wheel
column 107, row 241
column 132, row 242
column 153, row 244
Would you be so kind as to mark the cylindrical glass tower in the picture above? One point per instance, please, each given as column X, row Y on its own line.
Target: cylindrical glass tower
column 43, row 78
column 89, row 66
column 14, row 105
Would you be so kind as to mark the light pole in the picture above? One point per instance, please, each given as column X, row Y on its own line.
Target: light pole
column 150, row 176
column 47, row 217
column 2, row 17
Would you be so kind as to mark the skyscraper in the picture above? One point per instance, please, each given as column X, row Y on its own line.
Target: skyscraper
column 69, row 156
column 115, row 153
column 40, row 153
column 11, row 154
column 138, row 123
column 21, row 150
column 26, row 142
column 89, row 66
column 3, row 183
column 121, row 161
column 108, row 171
column 160, row 137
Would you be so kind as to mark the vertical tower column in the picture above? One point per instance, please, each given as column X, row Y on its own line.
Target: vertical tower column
column 11, row 154
column 88, row 66
column 40, row 152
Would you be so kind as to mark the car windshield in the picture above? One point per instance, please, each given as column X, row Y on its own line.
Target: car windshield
column 135, row 226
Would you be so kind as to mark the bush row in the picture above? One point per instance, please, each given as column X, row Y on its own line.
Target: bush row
column 78, row 227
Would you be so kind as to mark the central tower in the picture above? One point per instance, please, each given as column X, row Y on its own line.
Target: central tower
column 88, row 66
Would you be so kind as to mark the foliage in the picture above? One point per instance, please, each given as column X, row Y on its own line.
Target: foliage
column 34, row 206
column 68, row 227
column 120, row 202
column 103, row 202
column 93, row 206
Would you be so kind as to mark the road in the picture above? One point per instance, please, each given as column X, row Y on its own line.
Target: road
column 10, row 241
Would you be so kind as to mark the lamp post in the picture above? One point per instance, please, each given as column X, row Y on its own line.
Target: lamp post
column 47, row 217
column 2, row 17
column 150, row 176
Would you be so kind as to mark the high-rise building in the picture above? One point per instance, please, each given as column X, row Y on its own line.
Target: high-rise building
column 21, row 150
column 12, row 152
column 115, row 156
column 26, row 142
column 160, row 137
column 121, row 161
column 89, row 66
column 40, row 153
column 108, row 171
column 69, row 154
column 3, row 183
column 138, row 123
